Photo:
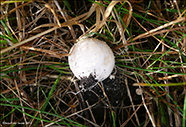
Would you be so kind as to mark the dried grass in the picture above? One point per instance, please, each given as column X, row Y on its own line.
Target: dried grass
column 149, row 42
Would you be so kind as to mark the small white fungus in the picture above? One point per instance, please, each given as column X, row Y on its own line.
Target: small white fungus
column 91, row 56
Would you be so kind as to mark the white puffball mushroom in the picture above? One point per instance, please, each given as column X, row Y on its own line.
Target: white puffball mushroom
column 90, row 56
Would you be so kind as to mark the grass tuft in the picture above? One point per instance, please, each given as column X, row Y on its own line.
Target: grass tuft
column 148, row 41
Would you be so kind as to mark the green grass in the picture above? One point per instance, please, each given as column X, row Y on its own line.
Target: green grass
column 150, row 63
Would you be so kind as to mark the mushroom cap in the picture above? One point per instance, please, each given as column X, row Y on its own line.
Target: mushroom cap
column 91, row 56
